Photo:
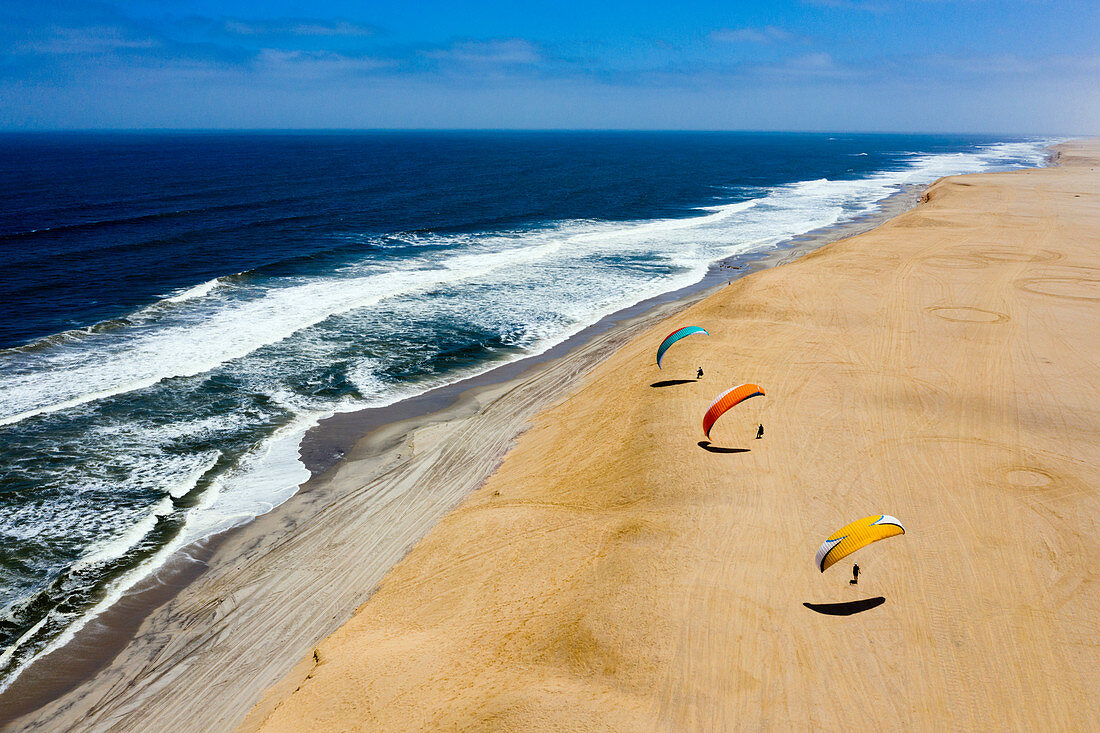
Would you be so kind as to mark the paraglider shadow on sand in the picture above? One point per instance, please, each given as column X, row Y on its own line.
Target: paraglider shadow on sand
column 671, row 382
column 705, row 445
column 846, row 608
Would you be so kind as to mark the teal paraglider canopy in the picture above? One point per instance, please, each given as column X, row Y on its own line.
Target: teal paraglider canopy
column 676, row 336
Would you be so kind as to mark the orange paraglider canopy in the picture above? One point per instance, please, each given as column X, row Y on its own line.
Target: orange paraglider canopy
column 726, row 400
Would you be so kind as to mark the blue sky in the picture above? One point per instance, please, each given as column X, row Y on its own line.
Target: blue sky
column 1023, row 66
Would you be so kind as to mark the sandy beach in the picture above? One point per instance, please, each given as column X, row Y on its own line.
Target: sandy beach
column 614, row 574
column 609, row 571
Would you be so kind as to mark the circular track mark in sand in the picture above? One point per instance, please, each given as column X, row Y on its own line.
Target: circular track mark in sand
column 966, row 314
column 965, row 261
column 1028, row 477
column 974, row 259
column 1008, row 255
column 1070, row 288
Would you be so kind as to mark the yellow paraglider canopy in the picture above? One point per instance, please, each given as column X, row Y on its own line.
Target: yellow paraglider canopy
column 851, row 537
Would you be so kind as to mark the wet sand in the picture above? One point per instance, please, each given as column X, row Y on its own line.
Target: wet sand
column 195, row 645
column 617, row 572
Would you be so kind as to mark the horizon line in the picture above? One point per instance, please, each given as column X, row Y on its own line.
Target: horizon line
column 300, row 130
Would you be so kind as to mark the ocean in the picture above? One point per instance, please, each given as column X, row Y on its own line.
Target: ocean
column 178, row 309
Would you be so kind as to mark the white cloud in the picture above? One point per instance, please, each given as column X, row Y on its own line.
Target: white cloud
column 315, row 64
column 504, row 51
column 84, row 40
column 869, row 6
column 812, row 62
column 767, row 34
column 297, row 27
column 1013, row 65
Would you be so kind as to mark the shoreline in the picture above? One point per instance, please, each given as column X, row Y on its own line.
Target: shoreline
column 613, row 574
column 375, row 435
column 325, row 445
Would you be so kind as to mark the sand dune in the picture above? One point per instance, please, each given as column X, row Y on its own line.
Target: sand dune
column 613, row 574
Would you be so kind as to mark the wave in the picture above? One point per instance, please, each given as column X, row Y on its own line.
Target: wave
column 116, row 547
column 273, row 475
column 196, row 291
column 219, row 321
column 152, row 216
column 105, row 365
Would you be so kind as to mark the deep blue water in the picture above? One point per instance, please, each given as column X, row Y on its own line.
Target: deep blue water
column 95, row 225
column 176, row 309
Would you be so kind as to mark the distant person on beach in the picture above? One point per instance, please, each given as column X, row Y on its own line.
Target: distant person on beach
column 759, row 432
column 700, row 374
column 855, row 575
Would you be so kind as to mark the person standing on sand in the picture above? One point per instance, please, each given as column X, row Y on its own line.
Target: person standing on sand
column 855, row 575
column 759, row 432
column 700, row 374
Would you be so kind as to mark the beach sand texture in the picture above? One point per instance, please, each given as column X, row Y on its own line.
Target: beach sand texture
column 614, row 574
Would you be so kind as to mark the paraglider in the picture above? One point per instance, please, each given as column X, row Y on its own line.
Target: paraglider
column 676, row 336
column 852, row 537
column 726, row 400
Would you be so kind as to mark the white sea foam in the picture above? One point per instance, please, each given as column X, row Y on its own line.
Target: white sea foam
column 116, row 547
column 265, row 478
column 186, row 344
column 123, row 528
column 203, row 463
column 197, row 291
column 8, row 653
